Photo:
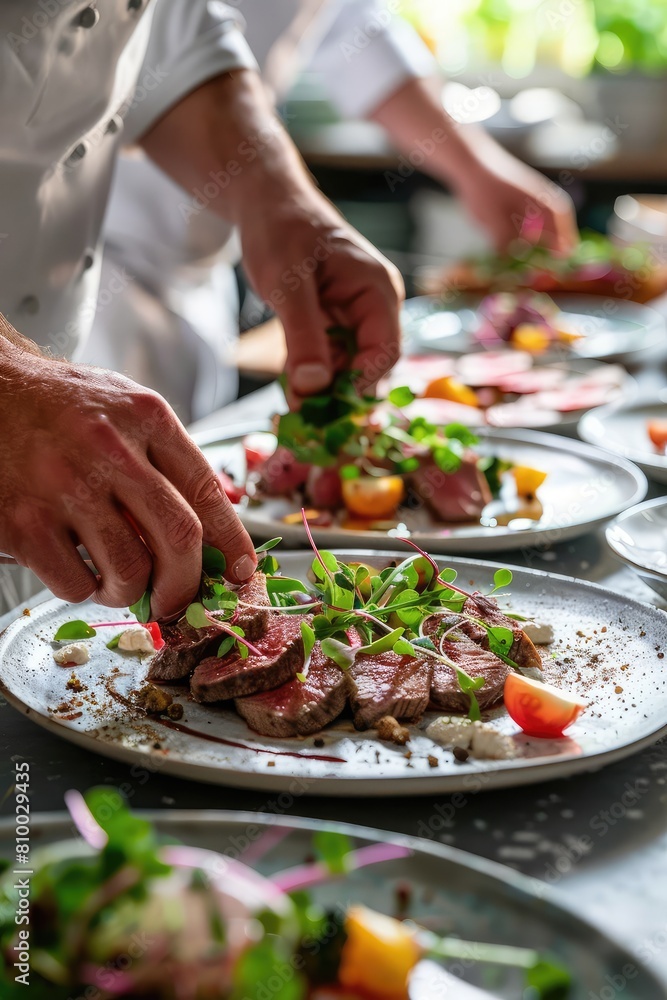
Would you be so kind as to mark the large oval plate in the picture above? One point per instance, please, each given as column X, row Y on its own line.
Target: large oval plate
column 607, row 648
column 450, row 891
column 584, row 488
column 621, row 429
column 612, row 328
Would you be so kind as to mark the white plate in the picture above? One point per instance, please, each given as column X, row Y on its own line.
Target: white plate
column 618, row 722
column 612, row 328
column 584, row 488
column 450, row 892
column 639, row 538
column 621, row 428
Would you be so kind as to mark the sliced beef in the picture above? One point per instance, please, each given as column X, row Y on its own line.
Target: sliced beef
column 253, row 620
column 219, row 678
column 486, row 609
column 477, row 662
column 184, row 647
column 388, row 684
column 452, row 496
column 298, row 708
column 281, row 474
column 470, row 656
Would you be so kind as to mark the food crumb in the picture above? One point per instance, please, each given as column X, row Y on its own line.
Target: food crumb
column 153, row 700
column 432, row 760
column 175, row 711
column 661, row 656
column 461, row 754
column 618, row 689
column 391, row 731
column 74, row 684
column 270, row 763
column 318, row 742
column 26, row 612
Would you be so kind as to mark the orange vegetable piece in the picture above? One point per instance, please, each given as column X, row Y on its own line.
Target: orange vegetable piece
column 657, row 431
column 373, row 496
column 449, row 388
column 378, row 955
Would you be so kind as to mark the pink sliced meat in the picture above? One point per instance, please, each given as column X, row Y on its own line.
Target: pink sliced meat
column 388, row 684
column 281, row 474
column 443, row 412
column 489, row 368
column 417, row 372
column 454, row 496
column 298, row 708
column 536, row 380
column 323, row 488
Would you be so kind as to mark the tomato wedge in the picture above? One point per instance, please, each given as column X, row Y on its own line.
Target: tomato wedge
column 229, row 487
column 539, row 709
column 657, row 431
column 155, row 633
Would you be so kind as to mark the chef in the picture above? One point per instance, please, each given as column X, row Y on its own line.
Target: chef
column 88, row 457
column 174, row 326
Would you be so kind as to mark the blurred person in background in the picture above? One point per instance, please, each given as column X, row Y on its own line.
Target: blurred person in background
column 89, row 457
column 174, row 324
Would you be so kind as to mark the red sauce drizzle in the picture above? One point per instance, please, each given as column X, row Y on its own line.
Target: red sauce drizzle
column 242, row 746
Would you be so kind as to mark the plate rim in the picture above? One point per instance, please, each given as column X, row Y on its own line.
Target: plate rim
column 625, row 515
column 657, row 463
column 531, row 770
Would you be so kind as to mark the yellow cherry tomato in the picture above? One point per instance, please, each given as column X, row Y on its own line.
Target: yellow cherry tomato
column 527, row 480
column 449, row 388
column 531, row 337
column 373, row 496
column 378, row 955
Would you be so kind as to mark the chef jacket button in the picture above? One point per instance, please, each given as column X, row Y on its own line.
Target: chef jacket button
column 29, row 305
column 88, row 260
column 77, row 153
column 88, row 17
column 134, row 4
column 114, row 124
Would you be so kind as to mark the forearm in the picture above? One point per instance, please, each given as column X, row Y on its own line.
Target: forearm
column 225, row 142
column 428, row 136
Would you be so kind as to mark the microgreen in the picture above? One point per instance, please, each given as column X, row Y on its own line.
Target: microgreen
column 410, row 592
column 74, row 630
column 142, row 609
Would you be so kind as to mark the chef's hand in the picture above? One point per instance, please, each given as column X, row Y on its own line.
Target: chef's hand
column 224, row 143
column 89, row 457
column 511, row 200
column 317, row 271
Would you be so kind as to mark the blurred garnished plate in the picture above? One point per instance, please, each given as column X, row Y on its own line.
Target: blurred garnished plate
column 584, row 487
column 612, row 328
column 623, row 428
column 445, row 889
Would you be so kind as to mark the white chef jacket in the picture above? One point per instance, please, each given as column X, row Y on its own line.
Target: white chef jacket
column 180, row 254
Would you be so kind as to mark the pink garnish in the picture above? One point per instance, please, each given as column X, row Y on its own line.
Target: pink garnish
column 303, row 876
column 84, row 821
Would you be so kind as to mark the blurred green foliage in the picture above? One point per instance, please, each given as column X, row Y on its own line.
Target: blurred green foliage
column 576, row 36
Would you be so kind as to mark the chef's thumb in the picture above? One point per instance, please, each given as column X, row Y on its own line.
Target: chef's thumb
column 309, row 366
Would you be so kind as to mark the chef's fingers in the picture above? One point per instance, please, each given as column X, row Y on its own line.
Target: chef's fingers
column 49, row 551
column 122, row 561
column 374, row 314
column 557, row 216
column 309, row 365
column 183, row 464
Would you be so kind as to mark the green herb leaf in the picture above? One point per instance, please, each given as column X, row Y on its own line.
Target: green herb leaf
column 301, row 678
column 401, row 396
column 308, row 636
column 349, row 472
column 213, row 561
column 501, row 639
column 142, row 609
column 333, row 849
column 404, row 648
column 74, row 630
column 113, row 643
column 339, row 652
column 196, row 616
column 285, row 585
column 460, row 432
column 501, row 578
column 267, row 546
column 225, row 645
